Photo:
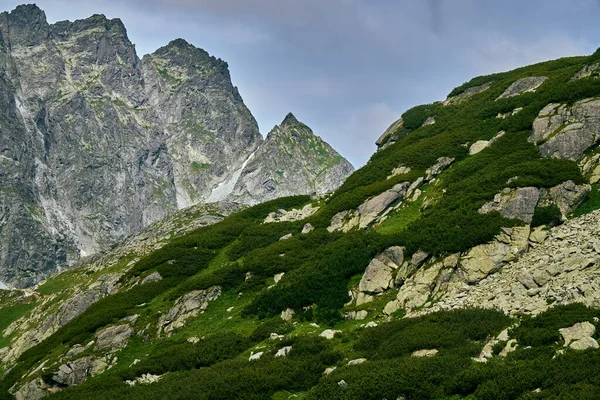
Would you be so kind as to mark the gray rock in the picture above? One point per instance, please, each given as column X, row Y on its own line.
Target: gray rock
column 287, row 314
column 419, row 258
column 567, row 132
column 389, row 136
column 100, row 144
column 113, row 338
column 286, row 237
column 292, row 160
column 425, row 353
column 307, row 228
column 153, row 277
column 357, row 361
column 378, row 276
column 467, row 94
column 76, row 305
column 292, row 215
column 514, row 203
column 186, row 307
column 74, row 372
column 35, row 389
column 568, row 196
column 523, row 85
column 577, row 332
column 329, row 333
column 478, row 147
column 441, row 164
column 588, row 70
column 369, row 211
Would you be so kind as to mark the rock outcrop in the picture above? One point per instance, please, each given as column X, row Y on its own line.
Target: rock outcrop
column 379, row 275
column 467, row 94
column 567, row 132
column 292, row 215
column 514, row 203
column 186, row 307
column 523, row 85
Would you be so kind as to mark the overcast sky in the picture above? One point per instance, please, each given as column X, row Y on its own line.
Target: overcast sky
column 349, row 68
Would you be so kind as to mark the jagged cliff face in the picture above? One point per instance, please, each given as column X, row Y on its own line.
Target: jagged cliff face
column 96, row 144
column 291, row 157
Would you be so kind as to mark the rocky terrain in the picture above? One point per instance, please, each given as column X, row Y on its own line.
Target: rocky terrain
column 96, row 143
column 460, row 262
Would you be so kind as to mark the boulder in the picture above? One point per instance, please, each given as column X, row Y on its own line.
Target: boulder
column 514, row 203
column 357, row 361
column 378, row 276
column 356, row 315
column 441, row 164
column 307, row 228
column 579, row 336
column 287, row 314
column 74, row 372
column 286, row 237
column 283, row 351
column 369, row 211
column 255, row 356
column 588, row 70
column 35, row 389
column 429, row 121
column 425, row 353
column 329, row 333
column 113, row 338
column 567, row 132
column 388, row 136
column 568, row 196
column 478, row 146
column 485, row 259
column 523, row 85
column 153, row 277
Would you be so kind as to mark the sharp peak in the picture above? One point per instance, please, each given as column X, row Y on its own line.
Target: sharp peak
column 290, row 119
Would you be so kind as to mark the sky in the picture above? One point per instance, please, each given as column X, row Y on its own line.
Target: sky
column 349, row 68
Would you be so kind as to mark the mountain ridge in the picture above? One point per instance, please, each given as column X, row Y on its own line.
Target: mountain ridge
column 99, row 143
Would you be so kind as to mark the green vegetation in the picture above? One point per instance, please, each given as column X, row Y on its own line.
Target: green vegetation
column 241, row 254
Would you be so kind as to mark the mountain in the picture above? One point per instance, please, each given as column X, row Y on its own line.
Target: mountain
column 460, row 262
column 96, row 143
column 291, row 156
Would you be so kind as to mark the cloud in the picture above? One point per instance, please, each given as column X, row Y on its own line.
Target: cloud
column 348, row 68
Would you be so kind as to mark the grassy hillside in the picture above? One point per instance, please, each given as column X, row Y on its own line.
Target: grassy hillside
column 208, row 357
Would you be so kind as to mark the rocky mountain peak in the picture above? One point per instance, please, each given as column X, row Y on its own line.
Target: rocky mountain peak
column 27, row 25
column 290, row 120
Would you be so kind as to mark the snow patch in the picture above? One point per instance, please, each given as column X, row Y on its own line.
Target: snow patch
column 224, row 189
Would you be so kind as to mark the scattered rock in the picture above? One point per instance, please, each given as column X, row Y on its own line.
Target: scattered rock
column 588, row 70
column 255, row 356
column 286, row 237
column 145, row 379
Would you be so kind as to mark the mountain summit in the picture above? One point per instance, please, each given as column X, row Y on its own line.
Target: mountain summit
column 96, row 143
